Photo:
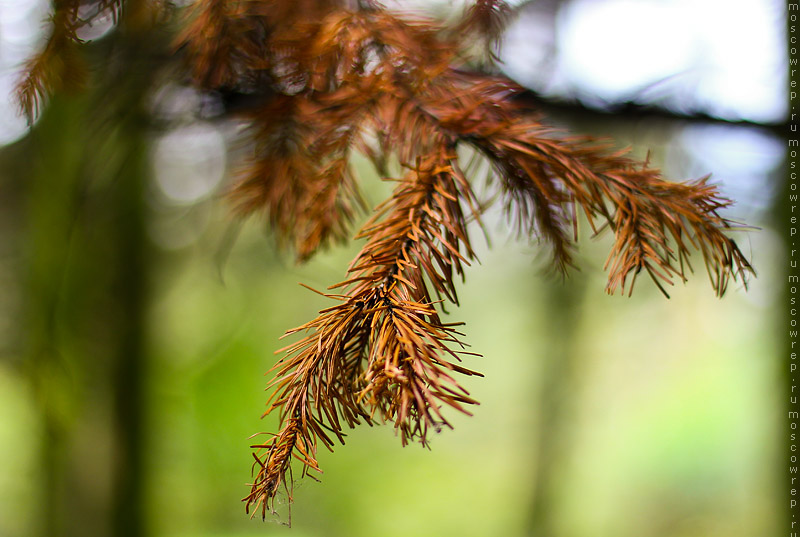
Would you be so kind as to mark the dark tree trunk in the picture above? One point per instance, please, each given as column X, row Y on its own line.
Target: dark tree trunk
column 86, row 295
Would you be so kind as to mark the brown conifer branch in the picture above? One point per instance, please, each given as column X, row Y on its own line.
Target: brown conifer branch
column 656, row 223
column 324, row 78
column 383, row 349
column 300, row 174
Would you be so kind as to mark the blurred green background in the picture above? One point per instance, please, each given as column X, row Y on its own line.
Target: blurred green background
column 137, row 319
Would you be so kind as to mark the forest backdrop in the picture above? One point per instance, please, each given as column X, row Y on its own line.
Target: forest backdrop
column 641, row 417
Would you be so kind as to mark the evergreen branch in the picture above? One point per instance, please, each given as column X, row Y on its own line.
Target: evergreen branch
column 655, row 222
column 324, row 77
column 383, row 348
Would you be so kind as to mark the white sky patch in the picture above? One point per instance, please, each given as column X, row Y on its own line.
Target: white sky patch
column 744, row 150
column 740, row 159
column 723, row 57
column 615, row 48
column 526, row 48
column 13, row 125
column 741, row 45
column 22, row 26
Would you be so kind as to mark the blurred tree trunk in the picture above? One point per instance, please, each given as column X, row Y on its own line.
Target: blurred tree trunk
column 86, row 290
column 558, row 388
column 52, row 206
